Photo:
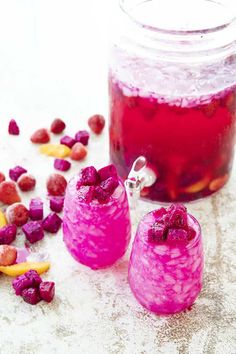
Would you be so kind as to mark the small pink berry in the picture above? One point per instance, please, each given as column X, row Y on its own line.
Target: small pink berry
column 57, row 126
column 40, row 136
column 56, row 184
column 17, row 214
column 13, row 128
column 96, row 123
column 26, row 182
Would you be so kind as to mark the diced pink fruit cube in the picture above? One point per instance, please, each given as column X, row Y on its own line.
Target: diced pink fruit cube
column 21, row 283
column 109, row 185
column 68, row 141
column 107, row 171
column 176, row 217
column 56, row 204
column 101, row 195
column 13, row 128
column 62, row 165
column 31, row 296
column 177, row 235
column 47, row 290
column 33, row 231
column 52, row 223
column 82, row 136
column 86, row 194
column 16, row 172
column 34, row 277
column 36, row 209
column 89, row 176
column 157, row 232
column 7, row 234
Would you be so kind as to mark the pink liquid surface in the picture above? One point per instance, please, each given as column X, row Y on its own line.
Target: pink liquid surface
column 166, row 278
column 96, row 235
column 189, row 143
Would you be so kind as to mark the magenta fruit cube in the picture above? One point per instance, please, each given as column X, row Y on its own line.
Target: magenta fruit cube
column 107, row 171
column 157, row 232
column 31, row 296
column 36, row 209
column 56, row 204
column 47, row 290
column 86, row 193
column 7, row 234
column 68, row 141
column 34, row 278
column 109, row 185
column 16, row 172
column 89, row 176
column 33, row 231
column 176, row 217
column 176, row 235
column 13, row 128
column 62, row 165
column 21, row 283
column 82, row 137
column 52, row 223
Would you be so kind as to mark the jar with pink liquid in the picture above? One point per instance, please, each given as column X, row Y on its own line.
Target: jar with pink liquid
column 172, row 87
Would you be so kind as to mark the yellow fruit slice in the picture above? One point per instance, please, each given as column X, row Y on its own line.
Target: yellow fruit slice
column 198, row 186
column 55, row 150
column 3, row 220
column 21, row 268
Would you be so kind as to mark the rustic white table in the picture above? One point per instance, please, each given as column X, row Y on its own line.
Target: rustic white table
column 53, row 63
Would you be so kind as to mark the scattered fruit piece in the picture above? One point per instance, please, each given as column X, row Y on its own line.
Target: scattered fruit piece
column 217, row 183
column 107, row 171
column 96, row 123
column 36, row 209
column 21, row 268
column 47, row 290
column 26, row 182
column 8, row 255
column 82, row 137
column 89, row 176
column 7, row 234
column 177, row 235
column 3, row 220
column 78, row 152
column 176, row 217
column 56, row 185
column 17, row 214
column 2, row 177
column 34, row 278
column 62, row 165
column 33, row 231
column 31, row 296
column 40, row 136
column 13, row 128
column 68, row 141
column 21, row 283
column 52, row 223
column 56, row 204
column 57, row 126
column 8, row 193
column 16, row 172
column 55, row 150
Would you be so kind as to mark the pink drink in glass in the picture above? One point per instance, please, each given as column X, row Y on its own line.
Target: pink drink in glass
column 189, row 143
column 166, row 277
column 96, row 234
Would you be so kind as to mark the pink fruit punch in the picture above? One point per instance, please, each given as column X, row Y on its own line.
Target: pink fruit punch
column 166, row 264
column 96, row 223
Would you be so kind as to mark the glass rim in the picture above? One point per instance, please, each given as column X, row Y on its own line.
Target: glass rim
column 125, row 10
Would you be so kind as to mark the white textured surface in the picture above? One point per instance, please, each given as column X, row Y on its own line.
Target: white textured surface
column 53, row 63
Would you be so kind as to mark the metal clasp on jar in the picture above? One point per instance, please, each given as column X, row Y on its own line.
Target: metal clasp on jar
column 140, row 176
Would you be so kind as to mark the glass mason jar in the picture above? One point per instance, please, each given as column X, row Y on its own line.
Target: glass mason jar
column 172, row 87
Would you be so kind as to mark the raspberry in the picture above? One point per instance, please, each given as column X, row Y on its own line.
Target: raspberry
column 36, row 209
column 31, row 296
column 109, row 185
column 96, row 123
column 8, row 193
column 62, row 165
column 177, row 235
column 68, row 141
column 2, row 177
column 157, row 232
column 8, row 255
column 16, row 172
column 20, row 283
column 56, row 204
column 176, row 217
column 89, row 176
column 107, row 171
column 56, row 185
column 17, row 214
column 47, row 290
column 101, row 195
column 57, row 126
column 78, row 152
column 34, row 278
column 52, row 223
column 82, row 137
column 7, row 234
column 85, row 194
column 13, row 128
column 40, row 136
column 26, row 182
column 33, row 231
